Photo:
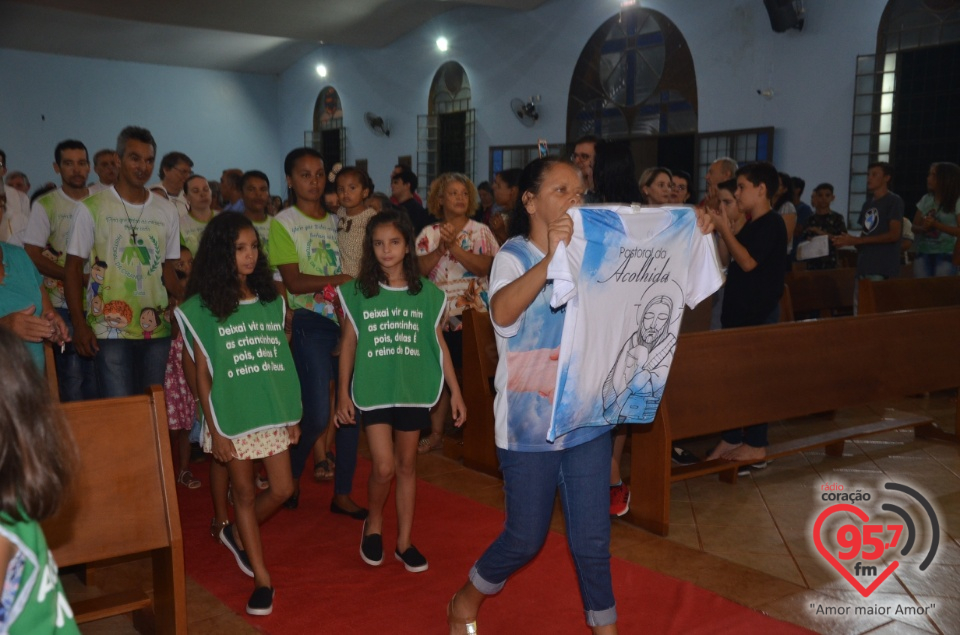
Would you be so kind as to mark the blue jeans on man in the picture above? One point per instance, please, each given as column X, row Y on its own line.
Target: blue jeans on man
column 77, row 375
column 130, row 367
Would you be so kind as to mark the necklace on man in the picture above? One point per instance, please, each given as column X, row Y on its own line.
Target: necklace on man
column 133, row 226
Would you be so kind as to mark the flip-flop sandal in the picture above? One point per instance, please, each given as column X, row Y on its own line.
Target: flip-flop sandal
column 426, row 445
column 323, row 471
column 469, row 627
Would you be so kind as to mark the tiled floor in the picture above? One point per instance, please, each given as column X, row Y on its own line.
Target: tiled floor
column 750, row 542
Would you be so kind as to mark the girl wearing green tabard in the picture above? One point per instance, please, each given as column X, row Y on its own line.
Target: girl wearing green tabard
column 394, row 352
column 35, row 466
column 232, row 325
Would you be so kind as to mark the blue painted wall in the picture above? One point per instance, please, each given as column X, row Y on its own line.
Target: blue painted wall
column 508, row 55
column 219, row 119
column 229, row 119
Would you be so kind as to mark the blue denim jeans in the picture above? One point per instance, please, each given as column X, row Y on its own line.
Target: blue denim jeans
column 934, row 265
column 76, row 375
column 129, row 367
column 530, row 482
column 314, row 338
column 347, row 439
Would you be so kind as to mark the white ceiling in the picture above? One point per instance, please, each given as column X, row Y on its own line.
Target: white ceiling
column 254, row 36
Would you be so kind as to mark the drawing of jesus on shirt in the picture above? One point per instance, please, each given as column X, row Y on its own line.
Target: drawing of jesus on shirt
column 632, row 390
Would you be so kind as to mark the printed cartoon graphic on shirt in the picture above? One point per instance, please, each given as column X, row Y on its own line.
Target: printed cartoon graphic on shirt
column 327, row 303
column 117, row 314
column 149, row 321
column 96, row 306
column 632, row 390
column 97, row 275
column 53, row 286
column 642, row 264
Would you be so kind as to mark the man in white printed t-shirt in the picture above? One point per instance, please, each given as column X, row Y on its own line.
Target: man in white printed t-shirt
column 106, row 165
column 175, row 169
column 45, row 242
column 15, row 218
column 132, row 239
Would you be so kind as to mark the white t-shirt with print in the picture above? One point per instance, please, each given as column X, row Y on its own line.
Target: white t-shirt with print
column 624, row 278
column 128, row 287
column 49, row 229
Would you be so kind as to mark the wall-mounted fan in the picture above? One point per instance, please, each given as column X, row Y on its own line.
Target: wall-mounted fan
column 376, row 124
column 526, row 111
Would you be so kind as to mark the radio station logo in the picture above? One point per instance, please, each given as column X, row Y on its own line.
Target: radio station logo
column 858, row 539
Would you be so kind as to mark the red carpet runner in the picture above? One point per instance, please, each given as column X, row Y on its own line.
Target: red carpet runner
column 324, row 587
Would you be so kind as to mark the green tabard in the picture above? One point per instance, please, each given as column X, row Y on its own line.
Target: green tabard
column 255, row 384
column 398, row 354
column 37, row 603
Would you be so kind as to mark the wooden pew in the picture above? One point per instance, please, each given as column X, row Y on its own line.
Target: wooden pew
column 123, row 501
column 697, row 320
column 821, row 293
column 479, row 368
column 905, row 294
column 732, row 378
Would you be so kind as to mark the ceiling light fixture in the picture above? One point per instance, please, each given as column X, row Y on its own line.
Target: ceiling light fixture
column 442, row 44
column 321, row 70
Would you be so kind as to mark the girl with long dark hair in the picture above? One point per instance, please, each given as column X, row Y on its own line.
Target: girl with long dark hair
column 232, row 323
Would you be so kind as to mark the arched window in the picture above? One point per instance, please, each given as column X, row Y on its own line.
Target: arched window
column 635, row 77
column 446, row 136
column 905, row 98
column 635, row 80
column 328, row 135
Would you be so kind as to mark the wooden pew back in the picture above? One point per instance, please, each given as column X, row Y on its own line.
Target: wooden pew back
column 906, row 294
column 479, row 368
column 727, row 379
column 822, row 293
column 123, row 498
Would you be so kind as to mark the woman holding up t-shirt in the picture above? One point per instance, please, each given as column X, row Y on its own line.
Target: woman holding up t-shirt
column 577, row 463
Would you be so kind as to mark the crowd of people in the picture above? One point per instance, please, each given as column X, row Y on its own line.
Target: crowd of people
column 249, row 308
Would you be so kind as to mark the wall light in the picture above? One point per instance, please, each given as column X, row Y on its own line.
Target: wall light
column 442, row 44
column 321, row 70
